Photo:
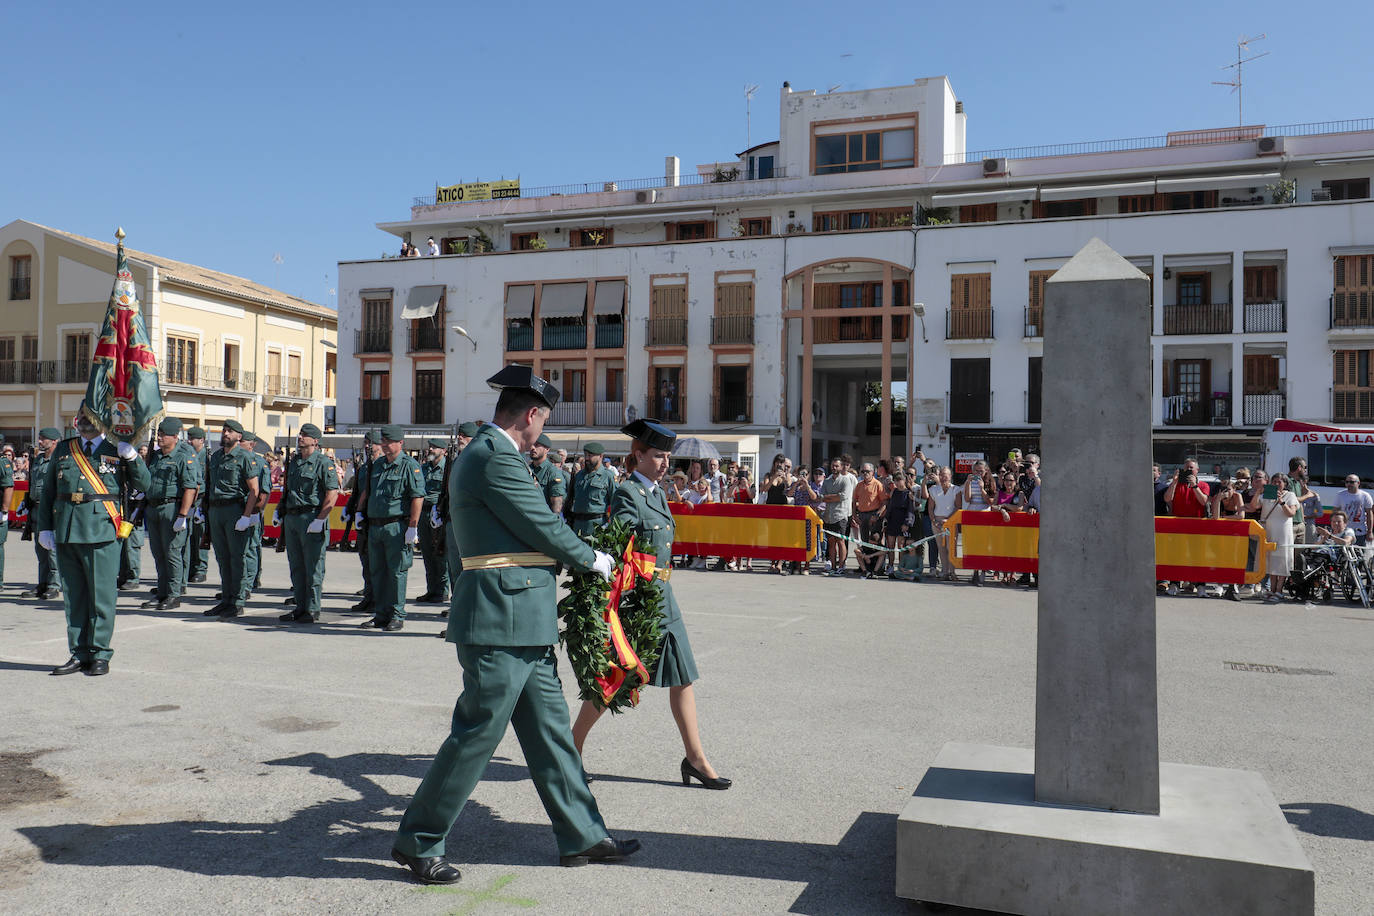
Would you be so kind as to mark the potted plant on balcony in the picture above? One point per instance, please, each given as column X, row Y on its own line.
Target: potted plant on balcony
column 538, row 244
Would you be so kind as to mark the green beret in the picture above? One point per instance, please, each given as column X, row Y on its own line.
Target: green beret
column 468, row 429
column 249, row 436
column 393, row 432
column 234, row 426
column 438, row 443
column 544, row 441
column 50, row 432
column 195, row 432
column 594, row 448
column 311, row 430
column 169, row 426
column 371, row 438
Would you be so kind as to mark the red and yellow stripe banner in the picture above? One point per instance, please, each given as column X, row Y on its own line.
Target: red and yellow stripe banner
column 746, row 530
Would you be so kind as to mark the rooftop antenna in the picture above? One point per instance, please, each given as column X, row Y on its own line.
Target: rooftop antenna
column 748, row 127
column 1242, row 45
column 276, row 271
column 833, row 88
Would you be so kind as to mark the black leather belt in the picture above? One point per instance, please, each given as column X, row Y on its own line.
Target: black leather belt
column 227, row 502
column 300, row 510
column 163, row 502
column 584, row 516
column 90, row 497
column 385, row 519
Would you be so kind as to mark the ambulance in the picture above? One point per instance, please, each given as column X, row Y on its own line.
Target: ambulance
column 1332, row 452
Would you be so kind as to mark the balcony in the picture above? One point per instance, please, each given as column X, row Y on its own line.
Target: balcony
column 731, row 407
column 1180, row 410
column 519, row 337
column 1352, row 310
column 230, row 379
column 374, row 410
column 609, row 335
column 673, row 410
column 1034, row 321
column 425, row 337
column 427, row 411
column 568, row 413
column 372, row 340
column 666, row 332
column 1262, row 409
column 70, row 372
column 183, row 373
column 862, row 328
column 19, row 372
column 286, row 387
column 564, row 337
column 1265, row 317
column 609, row 413
column 968, row 324
column 1208, row 318
column 732, row 329
column 20, row 287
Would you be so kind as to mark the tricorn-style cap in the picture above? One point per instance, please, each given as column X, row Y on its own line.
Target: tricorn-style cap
column 311, row 430
column 49, row 432
column 234, row 426
column 544, row 441
column 468, row 429
column 652, row 433
column 195, row 432
column 393, row 432
column 594, row 448
column 523, row 378
column 371, row 437
column 438, row 443
column 170, row 426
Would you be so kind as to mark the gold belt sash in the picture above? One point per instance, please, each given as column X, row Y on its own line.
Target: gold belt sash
column 506, row 560
column 664, row 572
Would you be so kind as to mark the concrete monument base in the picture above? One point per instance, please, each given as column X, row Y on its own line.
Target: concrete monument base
column 974, row 835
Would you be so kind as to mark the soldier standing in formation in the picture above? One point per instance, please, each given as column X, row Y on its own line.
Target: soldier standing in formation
column 6, row 495
column 592, row 488
column 252, row 563
column 372, row 450
column 455, row 560
column 231, row 497
column 432, row 548
column 48, row 584
column 197, row 556
column 307, row 498
column 79, row 520
column 131, row 548
column 395, row 493
column 548, row 475
column 174, row 482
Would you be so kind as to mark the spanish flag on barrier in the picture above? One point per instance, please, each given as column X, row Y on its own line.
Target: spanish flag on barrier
column 124, row 395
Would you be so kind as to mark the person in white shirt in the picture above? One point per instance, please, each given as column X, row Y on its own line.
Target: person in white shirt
column 944, row 498
column 1356, row 504
column 432, row 249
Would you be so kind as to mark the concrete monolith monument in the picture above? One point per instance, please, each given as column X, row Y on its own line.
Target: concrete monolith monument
column 1090, row 822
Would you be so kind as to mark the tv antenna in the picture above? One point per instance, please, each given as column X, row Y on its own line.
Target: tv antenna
column 748, row 102
column 1242, row 46
column 276, row 271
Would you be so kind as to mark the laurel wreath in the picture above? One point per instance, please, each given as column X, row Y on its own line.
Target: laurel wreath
column 585, row 634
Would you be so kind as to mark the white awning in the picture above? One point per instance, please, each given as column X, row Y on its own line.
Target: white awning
column 422, row 302
column 1165, row 185
column 563, row 300
column 610, row 297
column 519, row 301
column 1197, row 260
column 983, row 197
column 1098, row 190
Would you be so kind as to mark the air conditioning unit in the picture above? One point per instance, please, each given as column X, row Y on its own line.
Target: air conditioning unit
column 1269, row 146
column 993, row 167
column 646, row 197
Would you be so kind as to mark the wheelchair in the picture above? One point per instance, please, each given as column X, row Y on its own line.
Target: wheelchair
column 1322, row 574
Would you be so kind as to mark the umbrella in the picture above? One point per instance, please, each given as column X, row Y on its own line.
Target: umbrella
column 692, row 447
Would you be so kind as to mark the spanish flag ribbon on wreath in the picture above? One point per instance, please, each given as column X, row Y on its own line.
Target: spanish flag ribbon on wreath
column 124, row 394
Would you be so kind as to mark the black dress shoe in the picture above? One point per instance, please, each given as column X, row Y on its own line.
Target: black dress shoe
column 426, row 598
column 433, row 870
column 34, row 593
column 392, row 625
column 230, row 613
column 216, row 610
column 362, row 607
column 290, row 601
column 151, row 603
column 97, row 667
column 196, row 580
column 608, row 850
column 372, row 623
column 360, row 593
column 169, row 604
column 219, row 595
column 690, row 772
column 70, row 666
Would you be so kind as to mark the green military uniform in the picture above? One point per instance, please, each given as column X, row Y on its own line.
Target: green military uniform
column 131, row 548
column 644, row 507
column 307, row 491
column 48, row 582
column 86, row 539
column 454, row 556
column 197, row 557
column 550, row 478
column 360, row 481
column 504, row 625
column 432, row 549
column 171, row 475
column 391, row 486
column 6, row 483
column 591, row 495
column 252, row 561
column 226, row 491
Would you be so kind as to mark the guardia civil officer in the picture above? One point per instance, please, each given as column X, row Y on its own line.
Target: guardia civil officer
column 641, row 503
column 455, row 560
column 231, row 498
column 432, row 549
column 307, row 498
column 395, row 492
column 548, row 475
column 252, row 563
column 504, row 626
column 79, row 520
column 197, row 556
column 592, row 488
column 174, row 483
column 372, row 450
column 6, row 495
column 48, row 586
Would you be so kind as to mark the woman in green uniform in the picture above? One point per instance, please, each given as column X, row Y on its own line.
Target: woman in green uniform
column 642, row 504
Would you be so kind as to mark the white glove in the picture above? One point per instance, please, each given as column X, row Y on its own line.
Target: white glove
column 605, row 565
column 255, row 518
column 359, row 518
column 179, row 524
column 126, row 451
column 4, row 517
column 198, row 515
column 242, row 523
column 434, row 518
column 316, row 526
column 412, row 535
column 45, row 540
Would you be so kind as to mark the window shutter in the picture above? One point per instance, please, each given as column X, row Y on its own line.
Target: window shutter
column 1339, row 362
column 1168, row 379
column 981, row 290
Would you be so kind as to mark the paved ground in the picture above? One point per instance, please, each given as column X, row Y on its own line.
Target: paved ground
column 253, row 765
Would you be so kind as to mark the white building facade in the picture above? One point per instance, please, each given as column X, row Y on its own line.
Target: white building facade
column 864, row 284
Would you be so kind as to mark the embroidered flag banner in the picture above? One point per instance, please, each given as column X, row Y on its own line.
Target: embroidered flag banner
column 124, row 394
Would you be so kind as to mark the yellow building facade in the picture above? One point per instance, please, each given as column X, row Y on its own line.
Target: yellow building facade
column 227, row 348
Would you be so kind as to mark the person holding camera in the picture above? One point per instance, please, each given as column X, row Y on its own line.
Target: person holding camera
column 1187, row 497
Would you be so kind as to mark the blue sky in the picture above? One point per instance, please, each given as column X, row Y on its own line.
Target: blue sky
column 224, row 136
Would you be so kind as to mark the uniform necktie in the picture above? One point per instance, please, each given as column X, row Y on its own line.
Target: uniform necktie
column 88, row 448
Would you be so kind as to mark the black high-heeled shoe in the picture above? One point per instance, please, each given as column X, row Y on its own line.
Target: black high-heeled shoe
column 689, row 771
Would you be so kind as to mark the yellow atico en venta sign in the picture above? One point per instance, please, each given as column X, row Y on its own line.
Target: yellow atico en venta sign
column 477, row 190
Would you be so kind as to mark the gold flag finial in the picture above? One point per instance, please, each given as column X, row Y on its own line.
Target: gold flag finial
column 119, row 233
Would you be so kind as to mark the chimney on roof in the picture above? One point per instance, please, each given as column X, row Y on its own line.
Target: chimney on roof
column 672, row 167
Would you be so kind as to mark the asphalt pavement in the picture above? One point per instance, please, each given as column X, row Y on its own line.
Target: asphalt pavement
column 249, row 765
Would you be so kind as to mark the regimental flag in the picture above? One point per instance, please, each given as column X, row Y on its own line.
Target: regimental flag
column 124, row 394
